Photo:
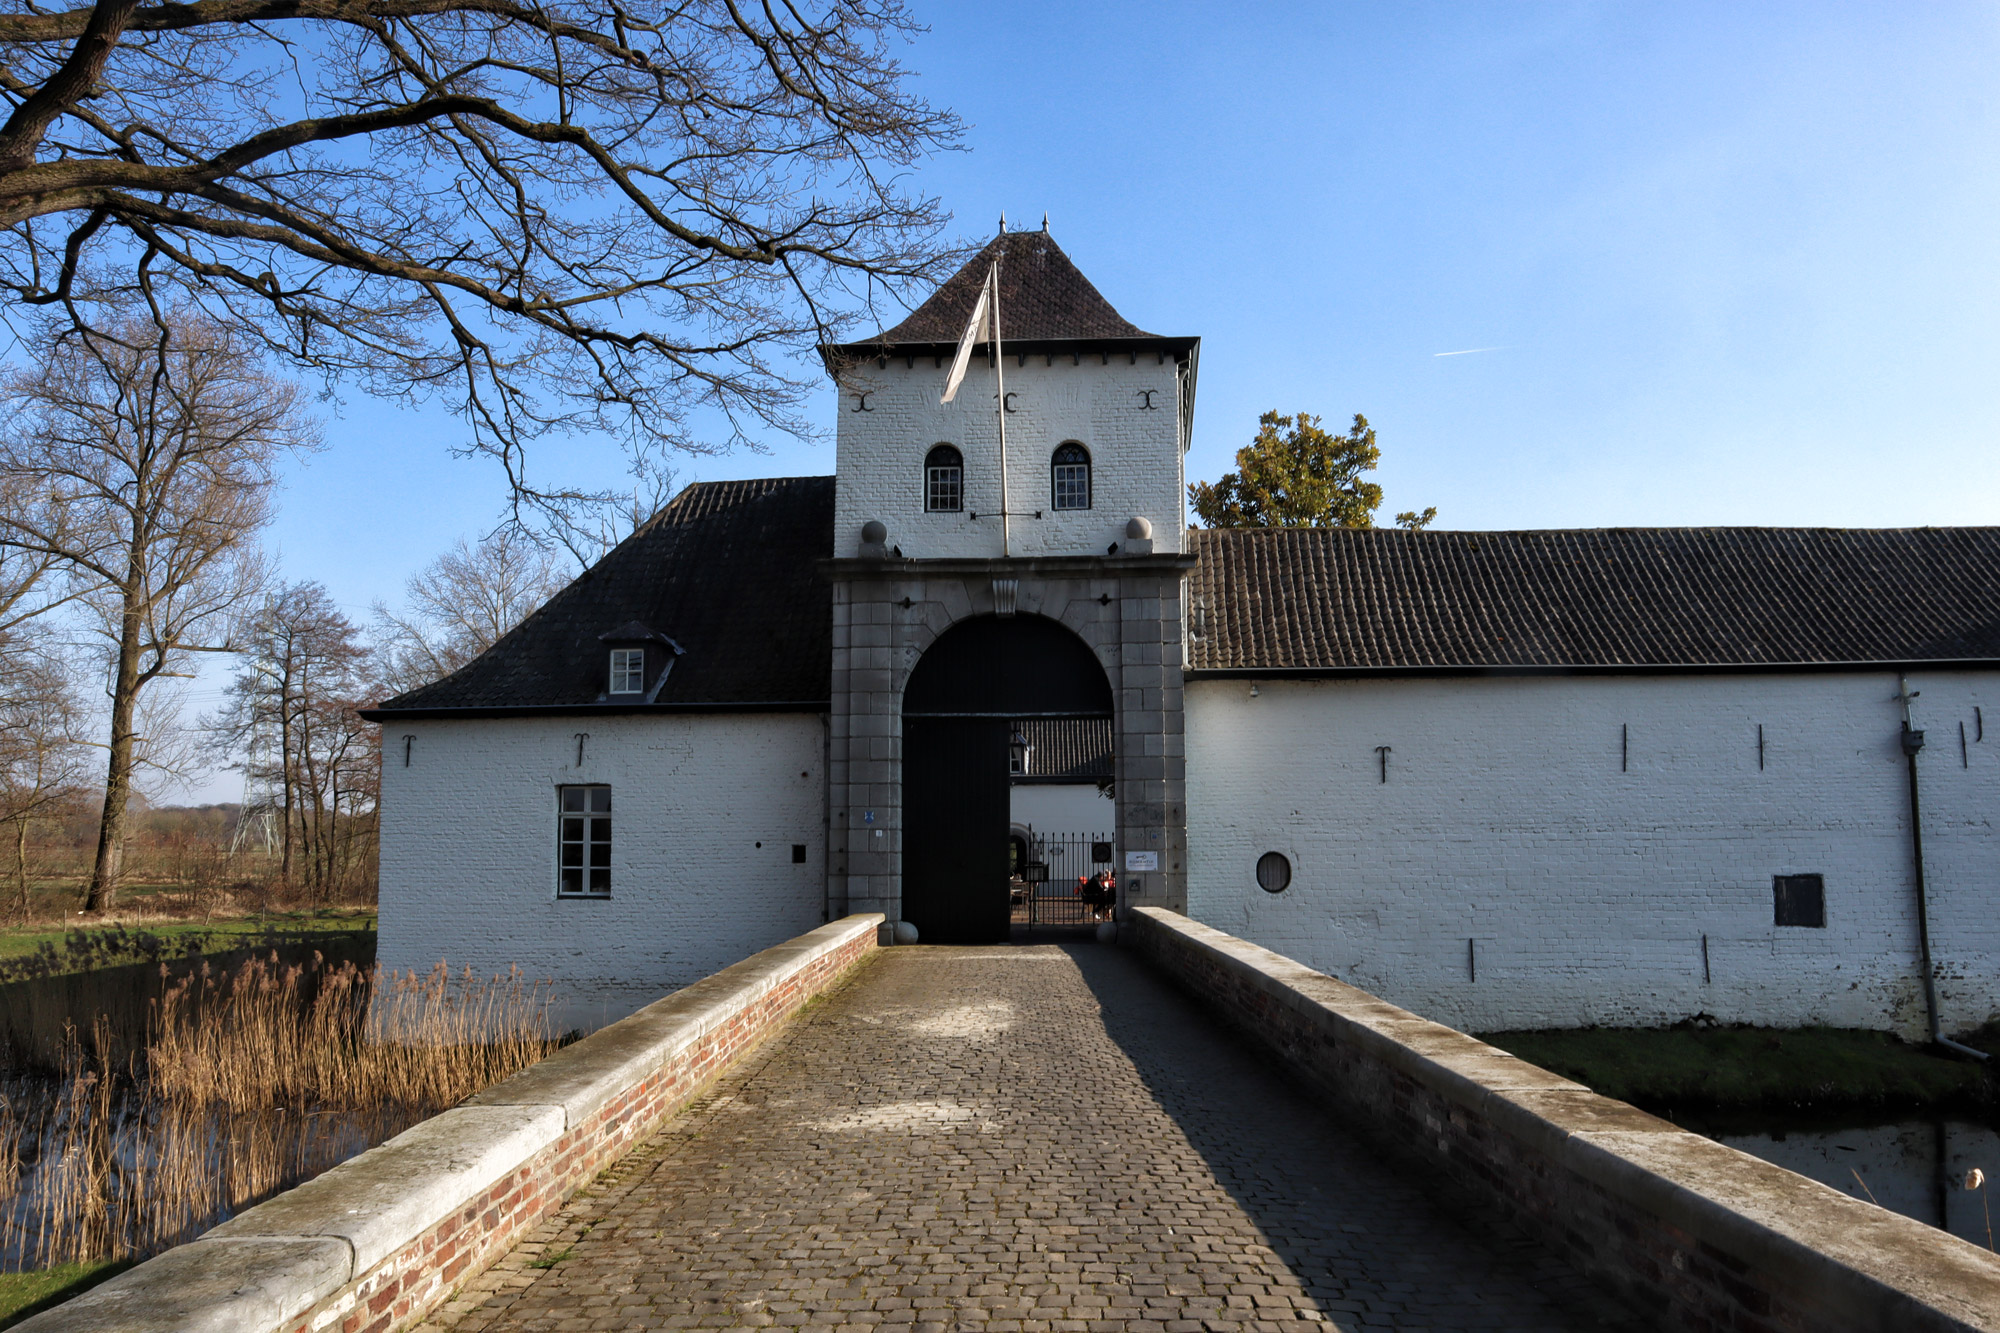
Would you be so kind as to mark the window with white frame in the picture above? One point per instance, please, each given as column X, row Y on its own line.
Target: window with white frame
column 944, row 480
column 628, row 670
column 583, row 842
column 1069, row 477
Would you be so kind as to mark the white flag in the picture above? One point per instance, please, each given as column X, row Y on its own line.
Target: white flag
column 973, row 328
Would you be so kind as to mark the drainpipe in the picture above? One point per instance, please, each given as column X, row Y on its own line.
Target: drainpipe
column 1913, row 741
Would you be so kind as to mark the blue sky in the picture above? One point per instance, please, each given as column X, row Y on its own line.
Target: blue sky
column 1738, row 263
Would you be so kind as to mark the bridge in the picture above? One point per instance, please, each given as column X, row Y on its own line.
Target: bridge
column 1179, row 1132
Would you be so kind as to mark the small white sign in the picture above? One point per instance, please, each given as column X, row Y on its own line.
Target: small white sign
column 1142, row 860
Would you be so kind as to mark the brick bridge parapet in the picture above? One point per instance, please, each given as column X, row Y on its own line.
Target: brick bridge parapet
column 1705, row 1236
column 373, row 1244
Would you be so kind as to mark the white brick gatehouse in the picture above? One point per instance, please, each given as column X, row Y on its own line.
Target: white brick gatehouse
column 1506, row 779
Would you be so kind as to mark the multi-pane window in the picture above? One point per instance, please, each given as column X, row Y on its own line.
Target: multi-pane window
column 1798, row 900
column 1069, row 476
column 628, row 670
column 944, row 480
column 583, row 844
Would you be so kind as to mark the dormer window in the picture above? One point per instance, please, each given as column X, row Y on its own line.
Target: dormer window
column 628, row 670
column 633, row 678
column 944, row 480
column 1069, row 477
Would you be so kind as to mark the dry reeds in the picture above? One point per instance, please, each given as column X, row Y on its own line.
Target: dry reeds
column 250, row 1082
column 362, row 1042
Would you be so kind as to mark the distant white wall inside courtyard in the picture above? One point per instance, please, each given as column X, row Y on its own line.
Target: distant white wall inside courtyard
column 1063, row 809
column 706, row 812
column 1510, row 838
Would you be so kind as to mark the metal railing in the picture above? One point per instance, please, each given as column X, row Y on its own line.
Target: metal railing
column 1053, row 889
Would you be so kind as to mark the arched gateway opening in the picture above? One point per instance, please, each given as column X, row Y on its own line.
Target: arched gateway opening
column 967, row 694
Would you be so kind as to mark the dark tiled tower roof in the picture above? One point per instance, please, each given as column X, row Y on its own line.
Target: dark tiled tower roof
column 1043, row 296
column 728, row 571
column 1340, row 599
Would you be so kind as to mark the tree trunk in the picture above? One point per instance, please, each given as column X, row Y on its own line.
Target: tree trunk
column 110, row 861
column 21, row 863
column 312, row 814
column 286, row 774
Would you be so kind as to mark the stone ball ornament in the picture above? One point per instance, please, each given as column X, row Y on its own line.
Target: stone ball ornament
column 904, row 932
column 874, row 530
column 1138, row 529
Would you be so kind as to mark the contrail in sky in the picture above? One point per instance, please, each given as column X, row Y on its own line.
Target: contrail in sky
column 1469, row 351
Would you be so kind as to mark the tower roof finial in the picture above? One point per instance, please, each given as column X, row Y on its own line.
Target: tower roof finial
column 1045, row 219
column 1003, row 222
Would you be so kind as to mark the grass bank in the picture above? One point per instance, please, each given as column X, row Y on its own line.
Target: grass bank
column 24, row 1294
column 45, row 950
column 1741, row 1068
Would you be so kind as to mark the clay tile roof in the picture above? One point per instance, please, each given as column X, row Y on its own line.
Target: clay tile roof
column 1337, row 598
column 1042, row 296
column 729, row 570
column 1069, row 749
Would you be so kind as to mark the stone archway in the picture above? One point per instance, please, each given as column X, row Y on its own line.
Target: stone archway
column 889, row 613
column 963, row 699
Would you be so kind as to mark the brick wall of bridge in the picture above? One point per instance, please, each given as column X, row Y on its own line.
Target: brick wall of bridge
column 1706, row 1237
column 373, row 1244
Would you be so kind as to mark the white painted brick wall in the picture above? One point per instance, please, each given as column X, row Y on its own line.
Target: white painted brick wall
column 1056, row 809
column 469, row 839
column 1136, row 464
column 1506, row 820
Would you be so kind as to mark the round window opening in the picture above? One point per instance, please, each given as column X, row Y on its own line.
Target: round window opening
column 1274, row 872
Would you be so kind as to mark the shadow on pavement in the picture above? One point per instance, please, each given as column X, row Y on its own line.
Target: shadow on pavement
column 1369, row 1236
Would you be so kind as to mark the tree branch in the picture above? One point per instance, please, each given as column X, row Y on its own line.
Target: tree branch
column 70, row 84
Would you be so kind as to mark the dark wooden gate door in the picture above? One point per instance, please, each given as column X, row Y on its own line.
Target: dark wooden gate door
column 955, row 807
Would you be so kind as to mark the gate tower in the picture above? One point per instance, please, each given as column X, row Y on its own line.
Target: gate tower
column 1085, row 528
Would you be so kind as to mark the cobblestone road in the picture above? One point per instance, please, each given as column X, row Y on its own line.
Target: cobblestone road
column 1014, row 1138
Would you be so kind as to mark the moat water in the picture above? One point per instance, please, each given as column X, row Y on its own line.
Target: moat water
column 1915, row 1165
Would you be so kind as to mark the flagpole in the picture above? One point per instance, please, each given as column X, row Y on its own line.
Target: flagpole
column 1000, row 383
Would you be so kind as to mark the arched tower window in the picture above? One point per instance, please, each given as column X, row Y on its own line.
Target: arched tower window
column 944, row 480
column 1069, row 477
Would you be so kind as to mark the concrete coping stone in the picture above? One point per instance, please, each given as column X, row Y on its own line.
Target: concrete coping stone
column 1846, row 1252
column 1454, row 1063
column 208, row 1286
column 386, row 1197
column 277, row 1260
column 581, row 1079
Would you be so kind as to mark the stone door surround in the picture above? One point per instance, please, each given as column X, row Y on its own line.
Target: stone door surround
column 887, row 612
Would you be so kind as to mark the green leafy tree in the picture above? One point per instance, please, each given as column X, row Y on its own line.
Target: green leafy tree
column 1297, row 474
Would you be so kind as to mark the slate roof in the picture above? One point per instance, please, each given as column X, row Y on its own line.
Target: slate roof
column 1278, row 599
column 728, row 570
column 1043, row 297
column 1069, row 749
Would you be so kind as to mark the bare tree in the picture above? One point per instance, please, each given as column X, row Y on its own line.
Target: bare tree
column 31, row 580
column 305, row 676
column 155, row 451
column 41, row 722
column 562, row 216
column 43, row 749
column 460, row 604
